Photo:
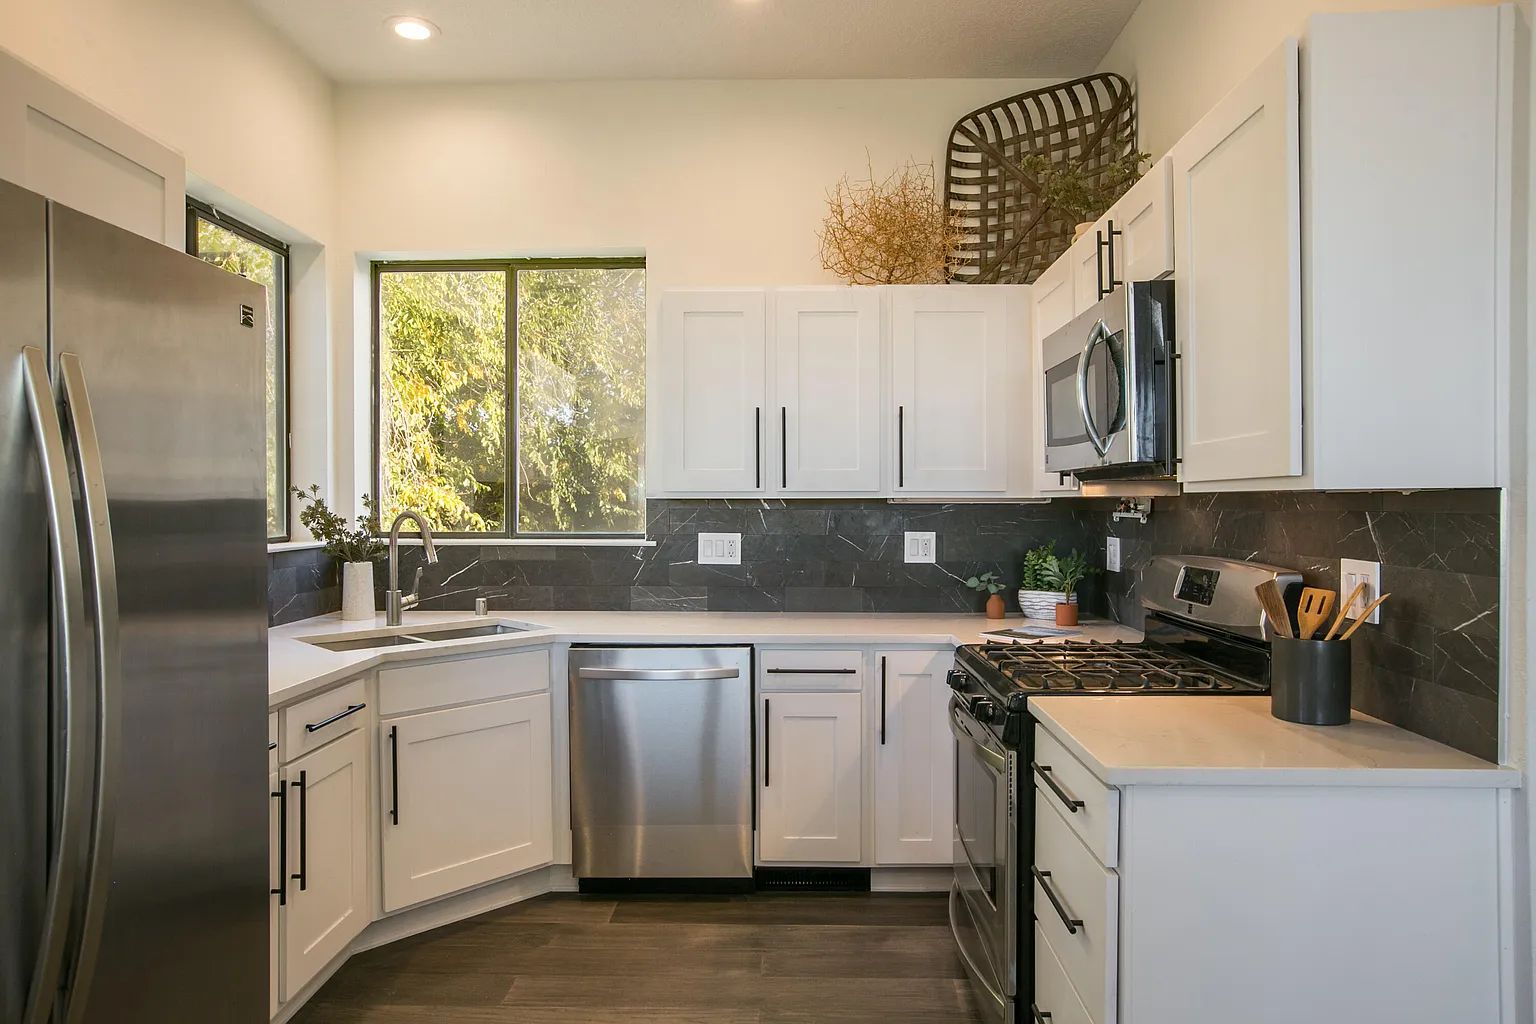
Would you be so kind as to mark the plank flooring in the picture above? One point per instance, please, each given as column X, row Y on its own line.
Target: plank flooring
column 760, row 959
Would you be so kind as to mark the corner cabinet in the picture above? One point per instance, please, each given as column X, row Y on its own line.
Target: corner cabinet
column 914, row 759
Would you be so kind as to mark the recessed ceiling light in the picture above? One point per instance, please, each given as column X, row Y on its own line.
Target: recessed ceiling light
column 414, row 29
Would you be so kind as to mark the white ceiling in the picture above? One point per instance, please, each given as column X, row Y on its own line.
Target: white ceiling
column 490, row 40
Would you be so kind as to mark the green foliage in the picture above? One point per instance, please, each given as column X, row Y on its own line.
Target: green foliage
column 987, row 582
column 1084, row 192
column 1038, row 565
column 358, row 543
column 1064, row 574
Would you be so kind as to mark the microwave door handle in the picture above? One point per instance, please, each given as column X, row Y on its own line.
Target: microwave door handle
column 1100, row 444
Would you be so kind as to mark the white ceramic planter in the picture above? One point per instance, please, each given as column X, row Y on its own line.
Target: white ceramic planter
column 1041, row 604
column 357, row 590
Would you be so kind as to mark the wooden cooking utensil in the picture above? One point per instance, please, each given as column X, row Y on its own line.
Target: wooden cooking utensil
column 1274, row 608
column 1338, row 623
column 1363, row 616
column 1312, row 612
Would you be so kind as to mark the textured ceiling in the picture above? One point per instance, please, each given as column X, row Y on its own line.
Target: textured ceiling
column 491, row 40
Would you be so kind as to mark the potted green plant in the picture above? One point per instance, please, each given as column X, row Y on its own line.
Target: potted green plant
column 1083, row 192
column 358, row 547
column 1064, row 575
column 1038, row 596
column 989, row 584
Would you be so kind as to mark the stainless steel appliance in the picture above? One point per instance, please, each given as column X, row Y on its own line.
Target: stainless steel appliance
column 661, row 762
column 1204, row 634
column 1109, row 387
column 133, row 659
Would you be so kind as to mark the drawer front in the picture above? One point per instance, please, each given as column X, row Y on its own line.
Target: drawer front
column 800, row 669
column 1077, row 905
column 273, row 732
column 435, row 684
column 319, row 720
column 1090, row 808
column 1055, row 1000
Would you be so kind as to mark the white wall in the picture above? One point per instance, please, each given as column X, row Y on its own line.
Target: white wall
column 252, row 117
column 1184, row 55
column 716, row 183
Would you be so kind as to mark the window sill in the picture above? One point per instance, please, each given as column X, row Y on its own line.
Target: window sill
column 294, row 545
column 534, row 542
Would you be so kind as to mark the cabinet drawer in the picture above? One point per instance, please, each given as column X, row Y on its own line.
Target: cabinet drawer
column 1077, row 904
column 1090, row 808
column 800, row 669
column 436, row 684
column 319, row 720
column 1055, row 1000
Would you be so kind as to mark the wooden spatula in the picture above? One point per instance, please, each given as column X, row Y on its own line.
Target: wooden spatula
column 1338, row 623
column 1363, row 616
column 1274, row 608
column 1312, row 612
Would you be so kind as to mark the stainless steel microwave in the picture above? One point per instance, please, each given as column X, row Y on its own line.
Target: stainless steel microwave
column 1109, row 387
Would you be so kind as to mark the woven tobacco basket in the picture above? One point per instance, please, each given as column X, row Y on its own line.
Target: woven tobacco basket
column 1011, row 233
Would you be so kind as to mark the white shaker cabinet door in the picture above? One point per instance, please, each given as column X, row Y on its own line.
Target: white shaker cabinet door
column 466, row 797
column 1052, row 298
column 914, row 759
column 1142, row 221
column 826, row 416
column 810, row 778
column 949, row 374
column 1237, row 236
column 713, row 390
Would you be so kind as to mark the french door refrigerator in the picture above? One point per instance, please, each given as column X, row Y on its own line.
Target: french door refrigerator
column 133, row 801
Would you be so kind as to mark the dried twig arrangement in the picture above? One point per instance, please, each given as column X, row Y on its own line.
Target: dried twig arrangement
column 893, row 231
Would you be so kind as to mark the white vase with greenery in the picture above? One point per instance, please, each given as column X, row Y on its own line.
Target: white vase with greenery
column 357, row 546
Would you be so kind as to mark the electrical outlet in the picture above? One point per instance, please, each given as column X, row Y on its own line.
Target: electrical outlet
column 719, row 549
column 922, row 547
column 1353, row 572
column 1112, row 554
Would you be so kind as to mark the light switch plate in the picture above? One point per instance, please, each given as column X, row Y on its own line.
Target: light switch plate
column 1353, row 571
column 719, row 549
column 922, row 547
column 1112, row 554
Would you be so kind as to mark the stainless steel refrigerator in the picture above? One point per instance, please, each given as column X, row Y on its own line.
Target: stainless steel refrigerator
column 133, row 818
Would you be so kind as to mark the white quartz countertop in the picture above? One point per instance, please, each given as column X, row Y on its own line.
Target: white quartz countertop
column 296, row 669
column 1235, row 741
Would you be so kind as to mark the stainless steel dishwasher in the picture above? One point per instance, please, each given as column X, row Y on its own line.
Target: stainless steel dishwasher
column 661, row 762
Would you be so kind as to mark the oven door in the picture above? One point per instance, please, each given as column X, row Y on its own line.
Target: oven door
column 1085, row 395
column 985, row 901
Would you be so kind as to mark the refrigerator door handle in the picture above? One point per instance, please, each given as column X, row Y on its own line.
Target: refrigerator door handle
column 103, row 594
column 71, row 653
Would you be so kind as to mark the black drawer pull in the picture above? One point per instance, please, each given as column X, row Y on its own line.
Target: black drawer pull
column 394, row 774
column 1043, row 877
column 767, row 750
column 811, row 671
column 271, row 746
column 1040, row 1015
column 1044, row 771
column 338, row 716
column 303, row 875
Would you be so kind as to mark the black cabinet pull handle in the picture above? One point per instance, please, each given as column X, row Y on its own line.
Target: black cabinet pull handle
column 882, row 700
column 1098, row 260
column 271, row 745
column 784, row 444
column 281, row 892
column 811, row 671
column 338, row 716
column 767, row 750
column 1044, row 878
column 1113, row 283
column 394, row 774
column 303, row 874
column 1040, row 1015
column 901, row 446
column 1044, row 771
column 757, row 444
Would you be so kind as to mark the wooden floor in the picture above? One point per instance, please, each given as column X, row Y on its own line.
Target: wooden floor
column 762, row 959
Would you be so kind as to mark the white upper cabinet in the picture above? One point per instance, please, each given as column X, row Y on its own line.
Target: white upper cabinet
column 950, row 380
column 914, row 759
column 1237, row 225
column 60, row 145
column 713, row 390
column 826, row 396
column 1052, row 298
column 1140, row 227
column 1089, row 272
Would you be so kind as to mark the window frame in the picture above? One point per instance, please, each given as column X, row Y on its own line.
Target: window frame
column 199, row 210
column 510, row 267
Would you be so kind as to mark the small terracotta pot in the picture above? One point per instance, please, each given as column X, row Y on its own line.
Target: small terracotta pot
column 995, row 606
column 1066, row 614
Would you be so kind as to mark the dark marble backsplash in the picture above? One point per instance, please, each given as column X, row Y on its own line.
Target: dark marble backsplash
column 1432, row 665
column 301, row 584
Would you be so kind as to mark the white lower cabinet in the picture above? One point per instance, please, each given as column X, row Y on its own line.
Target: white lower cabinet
column 1055, row 1000
column 914, row 759
column 327, row 857
column 810, row 806
column 466, row 797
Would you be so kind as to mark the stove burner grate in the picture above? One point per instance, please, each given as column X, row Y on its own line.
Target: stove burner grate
column 1092, row 666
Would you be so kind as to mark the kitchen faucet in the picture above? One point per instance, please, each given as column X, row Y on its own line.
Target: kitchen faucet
column 395, row 603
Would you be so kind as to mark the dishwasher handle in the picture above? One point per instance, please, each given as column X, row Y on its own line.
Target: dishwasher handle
column 658, row 673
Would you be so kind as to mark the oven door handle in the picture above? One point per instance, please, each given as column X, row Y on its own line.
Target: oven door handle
column 1098, row 335
column 999, row 762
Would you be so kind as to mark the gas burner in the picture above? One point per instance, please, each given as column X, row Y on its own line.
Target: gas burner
column 1090, row 666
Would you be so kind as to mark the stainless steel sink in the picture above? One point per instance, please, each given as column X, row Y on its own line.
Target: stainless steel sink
column 467, row 632
column 365, row 643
